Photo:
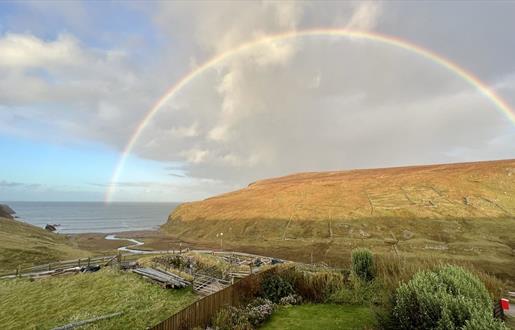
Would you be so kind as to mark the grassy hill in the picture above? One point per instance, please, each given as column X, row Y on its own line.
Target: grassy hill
column 457, row 211
column 24, row 244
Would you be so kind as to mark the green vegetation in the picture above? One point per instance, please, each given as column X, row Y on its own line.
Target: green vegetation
column 435, row 296
column 58, row 301
column 244, row 317
column 321, row 316
column 276, row 287
column 27, row 245
column 358, row 292
column 363, row 264
column 447, row 298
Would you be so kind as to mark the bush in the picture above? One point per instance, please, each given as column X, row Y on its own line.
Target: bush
column 484, row 322
column 359, row 292
column 292, row 299
column 447, row 298
column 259, row 310
column 315, row 286
column 275, row 287
column 230, row 318
column 363, row 264
column 252, row 315
column 394, row 270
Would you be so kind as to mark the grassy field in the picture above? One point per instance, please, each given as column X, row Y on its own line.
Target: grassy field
column 26, row 245
column 53, row 302
column 323, row 316
column 459, row 213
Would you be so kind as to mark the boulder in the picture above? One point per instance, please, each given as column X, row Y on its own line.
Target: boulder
column 50, row 227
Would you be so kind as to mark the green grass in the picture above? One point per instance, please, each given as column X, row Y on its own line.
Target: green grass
column 48, row 303
column 324, row 316
column 27, row 245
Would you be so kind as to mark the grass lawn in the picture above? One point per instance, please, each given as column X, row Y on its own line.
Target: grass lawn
column 48, row 303
column 323, row 316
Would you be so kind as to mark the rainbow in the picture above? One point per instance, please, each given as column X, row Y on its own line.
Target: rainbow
column 371, row 36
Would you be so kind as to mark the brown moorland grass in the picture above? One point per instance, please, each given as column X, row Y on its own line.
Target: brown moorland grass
column 457, row 213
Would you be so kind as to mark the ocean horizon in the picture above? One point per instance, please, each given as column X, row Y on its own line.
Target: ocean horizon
column 94, row 217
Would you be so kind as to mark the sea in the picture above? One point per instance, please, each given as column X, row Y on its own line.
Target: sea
column 93, row 217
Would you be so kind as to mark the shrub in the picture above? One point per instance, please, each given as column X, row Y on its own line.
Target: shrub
column 318, row 286
column 275, row 287
column 394, row 270
column 252, row 315
column 484, row 322
column 363, row 264
column 292, row 299
column 230, row 318
column 359, row 292
column 259, row 310
column 446, row 298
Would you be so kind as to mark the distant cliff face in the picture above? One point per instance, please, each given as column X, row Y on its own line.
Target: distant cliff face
column 6, row 211
column 468, row 190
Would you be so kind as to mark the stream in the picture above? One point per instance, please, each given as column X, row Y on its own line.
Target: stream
column 136, row 243
column 129, row 248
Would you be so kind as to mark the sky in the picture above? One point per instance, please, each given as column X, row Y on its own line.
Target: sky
column 78, row 78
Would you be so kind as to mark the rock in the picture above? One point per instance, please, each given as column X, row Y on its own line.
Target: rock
column 90, row 269
column 406, row 234
column 6, row 211
column 364, row 234
column 50, row 227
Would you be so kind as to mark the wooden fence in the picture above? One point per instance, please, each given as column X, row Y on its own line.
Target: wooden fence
column 99, row 260
column 200, row 312
column 498, row 311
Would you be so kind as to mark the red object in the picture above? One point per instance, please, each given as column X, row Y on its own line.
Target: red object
column 505, row 304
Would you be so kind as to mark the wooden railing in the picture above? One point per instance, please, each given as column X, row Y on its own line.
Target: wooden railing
column 200, row 312
column 98, row 260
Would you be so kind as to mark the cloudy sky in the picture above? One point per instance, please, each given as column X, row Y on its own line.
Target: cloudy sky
column 76, row 79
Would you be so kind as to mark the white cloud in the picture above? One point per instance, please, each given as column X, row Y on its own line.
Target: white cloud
column 365, row 16
column 68, row 88
column 23, row 51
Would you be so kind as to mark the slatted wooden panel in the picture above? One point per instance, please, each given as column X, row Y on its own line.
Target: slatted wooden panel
column 60, row 265
column 200, row 312
column 498, row 311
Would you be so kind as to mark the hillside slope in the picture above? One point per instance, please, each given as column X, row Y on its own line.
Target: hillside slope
column 464, row 211
column 24, row 244
column 469, row 190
